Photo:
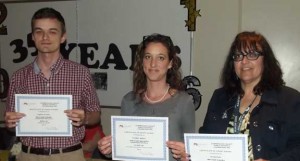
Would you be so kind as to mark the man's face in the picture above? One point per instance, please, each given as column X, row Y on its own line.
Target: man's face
column 47, row 35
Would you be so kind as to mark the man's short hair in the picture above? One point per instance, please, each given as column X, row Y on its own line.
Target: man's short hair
column 48, row 13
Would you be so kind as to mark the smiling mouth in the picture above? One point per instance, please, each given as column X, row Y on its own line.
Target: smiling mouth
column 153, row 70
column 45, row 43
column 246, row 69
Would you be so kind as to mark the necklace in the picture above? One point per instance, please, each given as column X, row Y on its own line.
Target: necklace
column 238, row 119
column 155, row 101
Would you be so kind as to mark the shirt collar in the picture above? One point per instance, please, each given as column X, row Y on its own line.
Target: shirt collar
column 270, row 96
column 54, row 68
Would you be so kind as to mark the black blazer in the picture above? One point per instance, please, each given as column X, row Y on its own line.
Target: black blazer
column 274, row 123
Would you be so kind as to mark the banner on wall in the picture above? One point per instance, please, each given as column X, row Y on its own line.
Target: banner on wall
column 102, row 35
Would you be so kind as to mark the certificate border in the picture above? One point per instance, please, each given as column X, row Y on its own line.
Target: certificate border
column 19, row 132
column 164, row 120
column 241, row 137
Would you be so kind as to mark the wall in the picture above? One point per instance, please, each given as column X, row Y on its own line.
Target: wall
column 212, row 38
column 215, row 31
column 104, row 23
column 101, row 35
column 220, row 22
column 277, row 20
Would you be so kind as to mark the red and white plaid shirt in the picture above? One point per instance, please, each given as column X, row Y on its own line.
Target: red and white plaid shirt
column 67, row 78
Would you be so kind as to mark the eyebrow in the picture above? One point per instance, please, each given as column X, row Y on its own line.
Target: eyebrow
column 157, row 54
column 38, row 28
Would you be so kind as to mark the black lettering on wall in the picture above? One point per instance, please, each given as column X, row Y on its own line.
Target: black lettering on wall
column 19, row 49
column 85, row 55
column 117, row 58
column 189, row 82
column 65, row 52
column 30, row 44
column 133, row 53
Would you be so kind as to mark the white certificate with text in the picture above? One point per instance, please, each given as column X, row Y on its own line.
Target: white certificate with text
column 217, row 147
column 44, row 115
column 139, row 138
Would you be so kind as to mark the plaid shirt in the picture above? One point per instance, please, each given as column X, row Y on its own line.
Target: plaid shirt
column 67, row 78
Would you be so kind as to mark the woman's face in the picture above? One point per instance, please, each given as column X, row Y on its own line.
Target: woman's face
column 249, row 71
column 156, row 62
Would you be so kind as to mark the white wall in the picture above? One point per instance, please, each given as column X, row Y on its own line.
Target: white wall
column 215, row 31
column 277, row 20
column 100, row 23
column 221, row 20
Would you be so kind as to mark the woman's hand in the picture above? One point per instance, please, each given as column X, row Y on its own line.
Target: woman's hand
column 104, row 145
column 178, row 150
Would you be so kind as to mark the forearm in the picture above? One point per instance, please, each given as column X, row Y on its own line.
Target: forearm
column 92, row 118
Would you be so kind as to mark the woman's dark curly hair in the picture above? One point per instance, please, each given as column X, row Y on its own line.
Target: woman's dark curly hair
column 271, row 75
column 173, row 74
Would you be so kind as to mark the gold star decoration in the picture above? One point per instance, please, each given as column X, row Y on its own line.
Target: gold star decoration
column 193, row 13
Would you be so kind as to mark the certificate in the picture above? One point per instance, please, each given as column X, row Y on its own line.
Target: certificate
column 44, row 115
column 217, row 147
column 139, row 138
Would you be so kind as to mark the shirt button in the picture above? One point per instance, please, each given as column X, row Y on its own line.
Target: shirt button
column 255, row 124
column 271, row 127
column 48, row 85
column 258, row 148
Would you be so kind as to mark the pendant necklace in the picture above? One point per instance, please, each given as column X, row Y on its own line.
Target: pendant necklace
column 155, row 101
column 238, row 119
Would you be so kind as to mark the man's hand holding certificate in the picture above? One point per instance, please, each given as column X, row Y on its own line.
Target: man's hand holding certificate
column 139, row 138
column 44, row 115
column 217, row 147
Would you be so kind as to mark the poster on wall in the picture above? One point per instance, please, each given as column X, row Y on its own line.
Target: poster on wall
column 102, row 35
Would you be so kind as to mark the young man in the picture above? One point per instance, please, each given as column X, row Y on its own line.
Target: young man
column 50, row 74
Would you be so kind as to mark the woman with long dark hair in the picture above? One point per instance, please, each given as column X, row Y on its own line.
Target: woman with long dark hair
column 254, row 101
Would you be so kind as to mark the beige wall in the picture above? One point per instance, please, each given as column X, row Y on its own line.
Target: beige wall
column 220, row 22
column 216, row 29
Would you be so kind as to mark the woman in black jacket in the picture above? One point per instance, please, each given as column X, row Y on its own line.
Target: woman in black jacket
column 254, row 101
